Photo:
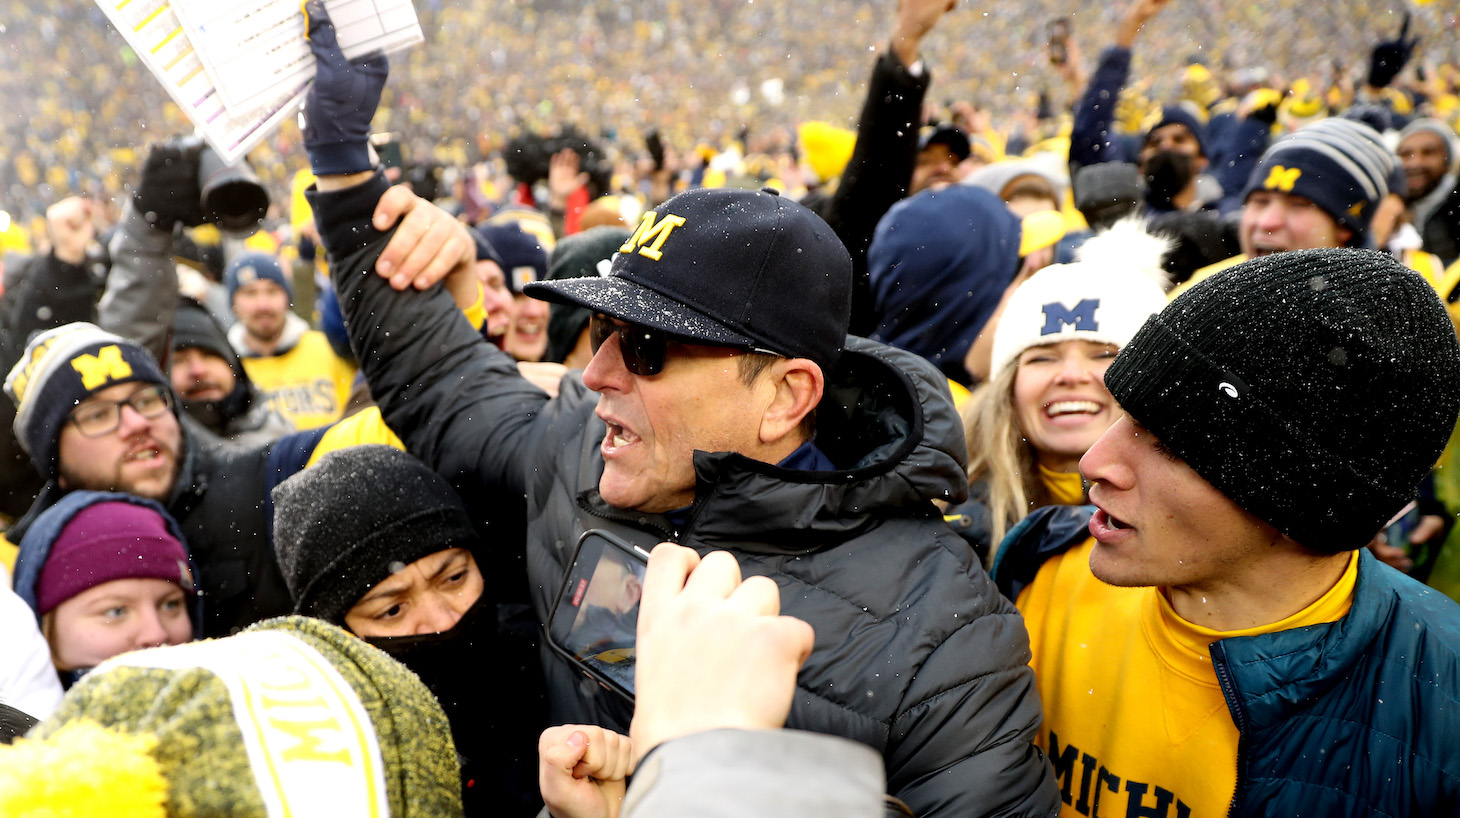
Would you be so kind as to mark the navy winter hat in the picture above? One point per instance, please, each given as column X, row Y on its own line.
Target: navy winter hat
column 1338, row 164
column 519, row 254
column 485, row 250
column 62, row 367
column 1181, row 115
column 730, row 268
column 251, row 267
column 939, row 263
column 1314, row 388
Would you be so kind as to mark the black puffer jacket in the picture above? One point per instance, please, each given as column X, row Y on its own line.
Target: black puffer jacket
column 916, row 653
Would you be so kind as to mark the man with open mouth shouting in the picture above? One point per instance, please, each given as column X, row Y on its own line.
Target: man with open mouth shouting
column 724, row 408
column 1213, row 636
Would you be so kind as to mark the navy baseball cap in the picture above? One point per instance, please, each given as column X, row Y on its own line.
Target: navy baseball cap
column 955, row 140
column 727, row 268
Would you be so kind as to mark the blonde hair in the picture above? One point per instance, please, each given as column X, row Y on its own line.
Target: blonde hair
column 999, row 454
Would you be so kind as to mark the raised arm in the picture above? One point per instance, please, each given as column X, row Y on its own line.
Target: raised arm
column 140, row 300
column 881, row 167
column 456, row 402
column 1091, row 140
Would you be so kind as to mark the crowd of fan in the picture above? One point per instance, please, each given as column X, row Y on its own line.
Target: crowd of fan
column 78, row 103
column 1089, row 408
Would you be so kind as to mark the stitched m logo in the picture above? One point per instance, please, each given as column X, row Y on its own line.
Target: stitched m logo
column 1281, row 178
column 106, row 364
column 1082, row 317
column 648, row 231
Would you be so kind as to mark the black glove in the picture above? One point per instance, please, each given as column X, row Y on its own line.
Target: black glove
column 168, row 191
column 1389, row 57
column 341, row 101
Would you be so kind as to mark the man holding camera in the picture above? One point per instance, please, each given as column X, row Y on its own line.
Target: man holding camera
column 718, row 413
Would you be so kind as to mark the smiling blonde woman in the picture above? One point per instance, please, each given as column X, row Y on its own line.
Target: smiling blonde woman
column 1045, row 401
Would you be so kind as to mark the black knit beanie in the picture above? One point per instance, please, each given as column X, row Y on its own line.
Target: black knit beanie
column 1314, row 388
column 356, row 517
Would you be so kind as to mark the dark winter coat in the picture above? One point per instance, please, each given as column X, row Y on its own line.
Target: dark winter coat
column 879, row 172
column 1354, row 717
column 916, row 655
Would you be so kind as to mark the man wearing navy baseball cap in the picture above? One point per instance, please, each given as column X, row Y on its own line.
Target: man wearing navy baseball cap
column 724, row 408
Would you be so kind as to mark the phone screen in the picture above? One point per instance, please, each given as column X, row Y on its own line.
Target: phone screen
column 595, row 618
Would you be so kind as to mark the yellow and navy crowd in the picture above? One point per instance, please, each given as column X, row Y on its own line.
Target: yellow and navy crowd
column 1094, row 401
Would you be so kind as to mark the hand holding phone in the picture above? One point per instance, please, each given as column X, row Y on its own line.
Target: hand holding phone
column 594, row 620
column 713, row 650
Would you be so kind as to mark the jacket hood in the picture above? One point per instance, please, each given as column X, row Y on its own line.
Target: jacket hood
column 886, row 420
column 938, row 265
column 294, row 329
column 35, row 545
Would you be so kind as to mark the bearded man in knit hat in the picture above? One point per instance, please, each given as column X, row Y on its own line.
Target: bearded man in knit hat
column 1430, row 153
column 1212, row 635
column 95, row 412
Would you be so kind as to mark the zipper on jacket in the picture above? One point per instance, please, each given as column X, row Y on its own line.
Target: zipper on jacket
column 636, row 519
column 1224, row 679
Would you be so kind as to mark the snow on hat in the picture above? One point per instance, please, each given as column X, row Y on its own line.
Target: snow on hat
column 59, row 369
column 1338, row 164
column 251, row 267
column 354, row 519
column 581, row 255
column 714, row 266
column 291, row 716
column 1314, row 388
column 1104, row 297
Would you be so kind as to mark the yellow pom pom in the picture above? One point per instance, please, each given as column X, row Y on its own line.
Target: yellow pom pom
column 79, row 771
column 828, row 148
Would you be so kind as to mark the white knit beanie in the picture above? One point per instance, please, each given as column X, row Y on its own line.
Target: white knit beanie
column 1105, row 296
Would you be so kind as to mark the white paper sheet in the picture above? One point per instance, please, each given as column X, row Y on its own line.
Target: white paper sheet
column 255, row 50
column 156, row 34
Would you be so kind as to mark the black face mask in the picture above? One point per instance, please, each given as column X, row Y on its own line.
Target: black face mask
column 448, row 662
column 1167, row 174
column 495, row 737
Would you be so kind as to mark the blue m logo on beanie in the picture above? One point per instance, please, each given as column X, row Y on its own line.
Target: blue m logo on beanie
column 1082, row 317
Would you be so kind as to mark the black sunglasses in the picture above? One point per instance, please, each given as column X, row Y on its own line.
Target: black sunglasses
column 643, row 349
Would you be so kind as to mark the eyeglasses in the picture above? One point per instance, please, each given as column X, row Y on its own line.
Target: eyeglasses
column 643, row 349
column 99, row 417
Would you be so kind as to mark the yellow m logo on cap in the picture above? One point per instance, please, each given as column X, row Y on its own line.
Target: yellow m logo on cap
column 105, row 365
column 1281, row 178
column 648, row 231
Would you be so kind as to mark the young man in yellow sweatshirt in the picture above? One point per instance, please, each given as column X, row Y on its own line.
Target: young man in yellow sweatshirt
column 1213, row 637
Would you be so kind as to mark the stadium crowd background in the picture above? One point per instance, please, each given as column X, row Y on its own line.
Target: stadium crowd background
column 79, row 107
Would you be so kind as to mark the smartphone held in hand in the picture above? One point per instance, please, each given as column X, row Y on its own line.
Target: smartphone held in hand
column 594, row 619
